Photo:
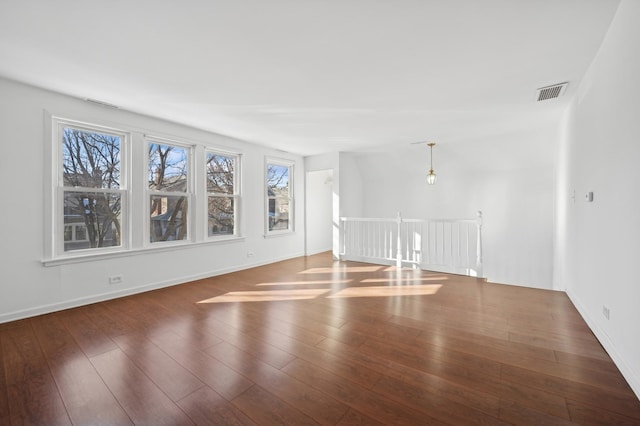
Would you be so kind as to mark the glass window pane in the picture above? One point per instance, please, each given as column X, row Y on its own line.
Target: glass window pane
column 81, row 232
column 68, row 232
column 221, row 216
column 167, row 168
column 168, row 218
column 91, row 220
column 220, row 173
column 90, row 159
column 278, row 214
column 277, row 180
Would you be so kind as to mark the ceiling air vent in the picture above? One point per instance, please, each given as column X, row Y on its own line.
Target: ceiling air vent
column 551, row 92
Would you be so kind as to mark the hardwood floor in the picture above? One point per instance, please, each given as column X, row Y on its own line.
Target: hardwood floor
column 312, row 341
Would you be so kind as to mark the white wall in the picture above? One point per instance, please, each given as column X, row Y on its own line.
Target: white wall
column 319, row 208
column 28, row 288
column 598, row 243
column 329, row 161
column 509, row 176
column 351, row 186
column 347, row 188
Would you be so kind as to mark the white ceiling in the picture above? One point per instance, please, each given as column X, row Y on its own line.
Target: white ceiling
column 311, row 76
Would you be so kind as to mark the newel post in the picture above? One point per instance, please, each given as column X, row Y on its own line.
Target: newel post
column 399, row 242
column 479, row 272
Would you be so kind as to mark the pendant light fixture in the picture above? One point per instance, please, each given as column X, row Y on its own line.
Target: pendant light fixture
column 431, row 177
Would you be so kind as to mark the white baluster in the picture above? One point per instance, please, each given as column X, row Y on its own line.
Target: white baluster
column 399, row 242
column 479, row 246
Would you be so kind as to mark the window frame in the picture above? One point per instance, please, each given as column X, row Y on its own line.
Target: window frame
column 189, row 193
column 291, row 213
column 134, row 214
column 59, row 189
column 236, row 195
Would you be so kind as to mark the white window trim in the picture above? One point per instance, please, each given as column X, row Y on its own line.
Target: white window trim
column 54, row 199
column 237, row 194
column 291, row 165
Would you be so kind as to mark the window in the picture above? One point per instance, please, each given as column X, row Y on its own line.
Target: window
column 222, row 194
column 169, row 192
column 116, row 191
column 279, row 208
column 91, row 190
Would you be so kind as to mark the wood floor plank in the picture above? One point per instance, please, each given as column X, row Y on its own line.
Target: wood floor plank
column 31, row 390
column 586, row 362
column 143, row 312
column 108, row 320
column 172, row 378
column 390, row 412
column 453, row 390
column 261, row 349
column 318, row 325
column 353, row 418
column 268, row 324
column 197, row 334
column 525, row 356
column 5, row 415
column 221, row 378
column 206, row 407
column 363, row 403
column 86, row 397
column 586, row 414
column 323, row 380
column 143, row 401
column 485, row 395
column 474, row 380
column 266, row 409
column 424, row 355
column 521, row 415
column 580, row 347
column 317, row 405
column 462, row 339
column 620, row 402
column 353, row 371
column 431, row 402
column 86, row 333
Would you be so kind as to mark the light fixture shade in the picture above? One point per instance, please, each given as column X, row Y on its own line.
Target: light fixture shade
column 431, row 177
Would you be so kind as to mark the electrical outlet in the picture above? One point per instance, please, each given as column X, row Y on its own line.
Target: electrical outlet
column 116, row 279
column 605, row 311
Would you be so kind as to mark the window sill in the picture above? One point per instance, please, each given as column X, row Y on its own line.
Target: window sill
column 138, row 251
column 279, row 234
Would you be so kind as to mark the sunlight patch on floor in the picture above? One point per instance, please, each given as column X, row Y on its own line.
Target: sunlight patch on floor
column 306, row 282
column 266, row 296
column 385, row 291
column 347, row 269
column 393, row 280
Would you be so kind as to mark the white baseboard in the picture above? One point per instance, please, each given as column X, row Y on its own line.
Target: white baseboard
column 608, row 345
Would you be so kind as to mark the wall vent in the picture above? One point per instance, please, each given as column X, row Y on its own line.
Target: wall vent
column 551, row 92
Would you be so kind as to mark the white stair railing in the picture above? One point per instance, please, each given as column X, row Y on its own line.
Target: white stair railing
column 445, row 245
